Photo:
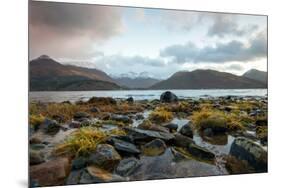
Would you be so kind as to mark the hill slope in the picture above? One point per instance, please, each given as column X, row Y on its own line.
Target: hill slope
column 47, row 74
column 207, row 79
column 136, row 83
column 256, row 75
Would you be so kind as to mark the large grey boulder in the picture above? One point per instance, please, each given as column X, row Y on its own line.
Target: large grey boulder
column 245, row 149
column 168, row 97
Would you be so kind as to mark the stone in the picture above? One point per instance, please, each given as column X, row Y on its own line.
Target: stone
column 127, row 166
column 79, row 163
column 50, row 126
column 181, row 141
column 105, row 157
column 125, row 147
column 102, row 100
column 148, row 135
column 200, row 152
column 245, row 149
column 75, row 124
column 208, row 132
column 186, row 130
column 79, row 115
column 35, row 140
column 130, row 100
column 153, row 127
column 37, row 146
column 51, row 173
column 168, row 97
column 171, row 126
column 74, row 177
column 123, row 118
column 155, row 147
column 139, row 117
column 36, row 157
column 94, row 174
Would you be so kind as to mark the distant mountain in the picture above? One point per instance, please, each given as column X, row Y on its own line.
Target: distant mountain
column 137, row 83
column 256, row 75
column 135, row 80
column 207, row 79
column 47, row 74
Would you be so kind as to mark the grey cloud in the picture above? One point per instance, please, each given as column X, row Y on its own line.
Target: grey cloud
column 64, row 29
column 227, row 25
column 220, row 53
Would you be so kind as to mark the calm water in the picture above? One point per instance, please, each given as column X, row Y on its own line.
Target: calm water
column 59, row 96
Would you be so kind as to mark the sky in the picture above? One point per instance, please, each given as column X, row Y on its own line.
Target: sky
column 155, row 42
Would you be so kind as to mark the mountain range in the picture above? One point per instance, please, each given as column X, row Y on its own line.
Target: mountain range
column 47, row 74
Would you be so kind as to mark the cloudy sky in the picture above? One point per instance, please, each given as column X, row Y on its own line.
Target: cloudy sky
column 159, row 42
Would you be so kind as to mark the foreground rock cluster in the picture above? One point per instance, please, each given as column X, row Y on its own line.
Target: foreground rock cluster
column 126, row 140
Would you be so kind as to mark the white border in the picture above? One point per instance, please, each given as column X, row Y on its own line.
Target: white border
column 14, row 93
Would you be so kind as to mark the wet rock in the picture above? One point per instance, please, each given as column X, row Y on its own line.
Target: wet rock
column 123, row 118
column 79, row 163
column 35, row 140
column 85, row 122
column 125, row 138
column 181, row 141
column 200, row 152
column 186, row 130
column 139, row 117
column 127, row 166
column 75, row 124
column 95, row 110
column 37, row 146
column 261, row 122
column 125, row 147
column 168, row 97
column 155, row 147
column 80, row 115
column 171, row 126
column 236, row 166
column 254, row 154
column 105, row 157
column 74, row 177
column 36, row 157
column 148, row 135
column 130, row 100
column 50, row 173
column 59, row 118
column 208, row 132
column 50, row 126
column 94, row 174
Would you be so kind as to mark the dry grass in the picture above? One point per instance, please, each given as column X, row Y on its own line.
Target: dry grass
column 84, row 141
column 36, row 120
column 160, row 115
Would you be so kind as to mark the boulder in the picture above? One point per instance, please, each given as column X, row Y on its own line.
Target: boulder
column 148, row 135
column 168, row 97
column 127, row 166
column 171, row 126
column 80, row 115
column 36, row 157
column 75, row 124
column 155, row 147
column 186, row 130
column 200, row 152
column 124, row 147
column 102, row 101
column 105, row 157
column 123, row 118
column 245, row 149
column 181, row 141
column 74, row 177
column 50, row 126
column 51, row 173
column 35, row 140
column 94, row 174
column 79, row 163
column 130, row 100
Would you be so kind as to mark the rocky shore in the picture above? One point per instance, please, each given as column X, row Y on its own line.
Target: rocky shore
column 109, row 140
